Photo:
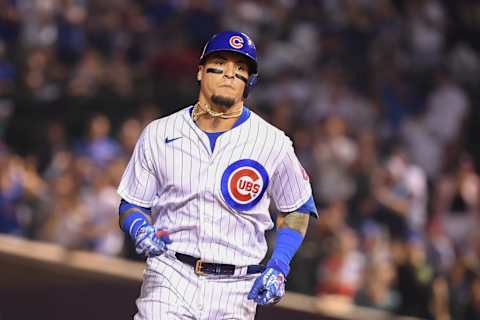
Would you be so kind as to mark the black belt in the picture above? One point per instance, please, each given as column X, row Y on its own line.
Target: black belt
column 203, row 268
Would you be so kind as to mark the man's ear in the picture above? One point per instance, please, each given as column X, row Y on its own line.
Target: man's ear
column 199, row 73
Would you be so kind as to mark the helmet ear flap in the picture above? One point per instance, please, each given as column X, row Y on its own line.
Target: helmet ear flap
column 251, row 83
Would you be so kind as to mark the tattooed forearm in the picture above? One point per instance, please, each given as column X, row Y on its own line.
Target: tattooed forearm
column 294, row 220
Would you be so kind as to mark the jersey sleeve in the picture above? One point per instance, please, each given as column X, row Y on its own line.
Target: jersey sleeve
column 290, row 187
column 139, row 183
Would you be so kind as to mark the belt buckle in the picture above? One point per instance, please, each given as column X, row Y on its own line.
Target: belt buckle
column 198, row 268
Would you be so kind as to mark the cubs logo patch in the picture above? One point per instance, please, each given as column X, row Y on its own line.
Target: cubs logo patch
column 236, row 42
column 243, row 184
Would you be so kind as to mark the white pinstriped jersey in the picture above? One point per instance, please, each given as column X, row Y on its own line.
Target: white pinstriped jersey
column 220, row 198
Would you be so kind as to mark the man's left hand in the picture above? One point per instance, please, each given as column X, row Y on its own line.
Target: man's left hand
column 269, row 287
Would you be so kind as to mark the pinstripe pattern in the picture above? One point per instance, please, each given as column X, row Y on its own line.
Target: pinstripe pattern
column 181, row 180
column 171, row 290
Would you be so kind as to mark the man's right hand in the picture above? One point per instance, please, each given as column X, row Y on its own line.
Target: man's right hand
column 151, row 242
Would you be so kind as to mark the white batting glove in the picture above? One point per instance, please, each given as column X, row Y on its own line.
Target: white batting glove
column 151, row 242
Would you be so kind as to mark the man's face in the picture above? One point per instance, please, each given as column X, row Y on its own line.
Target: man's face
column 223, row 78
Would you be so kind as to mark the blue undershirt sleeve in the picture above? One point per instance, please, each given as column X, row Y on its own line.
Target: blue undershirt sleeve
column 309, row 207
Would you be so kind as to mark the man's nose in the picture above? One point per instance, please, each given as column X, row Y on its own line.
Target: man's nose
column 229, row 70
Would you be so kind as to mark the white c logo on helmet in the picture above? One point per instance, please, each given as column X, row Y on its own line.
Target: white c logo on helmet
column 236, row 42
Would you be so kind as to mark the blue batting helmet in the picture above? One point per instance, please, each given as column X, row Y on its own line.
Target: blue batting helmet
column 237, row 42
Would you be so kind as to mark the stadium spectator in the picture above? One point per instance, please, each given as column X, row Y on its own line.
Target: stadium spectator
column 98, row 145
column 457, row 202
column 334, row 153
column 377, row 287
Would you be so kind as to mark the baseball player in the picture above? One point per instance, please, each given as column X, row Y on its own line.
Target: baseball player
column 196, row 194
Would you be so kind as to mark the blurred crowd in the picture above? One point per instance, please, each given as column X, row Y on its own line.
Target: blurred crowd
column 379, row 97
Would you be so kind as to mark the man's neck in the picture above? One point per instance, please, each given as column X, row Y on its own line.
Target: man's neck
column 209, row 123
column 213, row 124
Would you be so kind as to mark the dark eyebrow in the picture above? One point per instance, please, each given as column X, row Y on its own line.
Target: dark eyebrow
column 222, row 57
column 242, row 61
column 219, row 56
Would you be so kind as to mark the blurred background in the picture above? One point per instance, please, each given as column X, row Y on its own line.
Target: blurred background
column 379, row 97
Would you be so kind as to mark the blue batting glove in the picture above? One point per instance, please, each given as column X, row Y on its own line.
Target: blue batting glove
column 151, row 242
column 269, row 287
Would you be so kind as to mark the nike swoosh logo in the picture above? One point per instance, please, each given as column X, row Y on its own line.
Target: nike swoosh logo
column 171, row 140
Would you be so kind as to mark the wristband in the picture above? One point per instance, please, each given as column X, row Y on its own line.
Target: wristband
column 133, row 221
column 287, row 243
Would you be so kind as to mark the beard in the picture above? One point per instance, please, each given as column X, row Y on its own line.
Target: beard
column 222, row 101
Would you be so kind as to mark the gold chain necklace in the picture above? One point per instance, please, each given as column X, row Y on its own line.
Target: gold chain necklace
column 199, row 111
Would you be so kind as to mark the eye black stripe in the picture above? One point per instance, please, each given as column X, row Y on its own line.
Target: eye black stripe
column 214, row 70
column 239, row 76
